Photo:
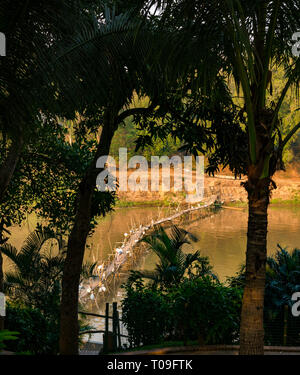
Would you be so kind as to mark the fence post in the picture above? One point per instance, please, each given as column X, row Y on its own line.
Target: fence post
column 285, row 324
column 105, row 337
column 119, row 331
column 115, row 326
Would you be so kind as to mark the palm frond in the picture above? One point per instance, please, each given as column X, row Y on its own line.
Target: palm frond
column 10, row 251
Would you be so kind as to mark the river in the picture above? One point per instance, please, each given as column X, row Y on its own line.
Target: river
column 221, row 237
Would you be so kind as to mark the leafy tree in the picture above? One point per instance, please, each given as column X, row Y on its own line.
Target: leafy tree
column 46, row 180
column 129, row 74
column 30, row 89
column 25, row 88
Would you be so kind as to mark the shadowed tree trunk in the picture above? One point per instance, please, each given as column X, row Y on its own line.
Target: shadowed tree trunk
column 252, row 330
column 69, row 327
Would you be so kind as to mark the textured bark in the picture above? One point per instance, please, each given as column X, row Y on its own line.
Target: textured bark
column 252, row 330
column 76, row 246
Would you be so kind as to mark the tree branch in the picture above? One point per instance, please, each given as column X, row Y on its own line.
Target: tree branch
column 289, row 136
column 280, row 101
column 134, row 111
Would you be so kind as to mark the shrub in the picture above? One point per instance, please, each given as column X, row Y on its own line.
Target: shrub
column 206, row 310
column 38, row 335
column 200, row 309
column 5, row 336
column 146, row 313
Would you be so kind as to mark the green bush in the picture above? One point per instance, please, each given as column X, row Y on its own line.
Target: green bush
column 5, row 336
column 146, row 313
column 207, row 311
column 38, row 335
column 201, row 309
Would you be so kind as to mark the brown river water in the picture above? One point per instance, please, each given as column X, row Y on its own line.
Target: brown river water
column 221, row 237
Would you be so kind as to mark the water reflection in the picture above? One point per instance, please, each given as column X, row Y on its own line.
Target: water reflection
column 222, row 237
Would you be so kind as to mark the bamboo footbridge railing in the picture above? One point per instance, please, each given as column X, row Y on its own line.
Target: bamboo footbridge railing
column 126, row 251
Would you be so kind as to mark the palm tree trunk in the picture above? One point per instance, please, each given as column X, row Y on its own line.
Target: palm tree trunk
column 252, row 330
column 76, row 246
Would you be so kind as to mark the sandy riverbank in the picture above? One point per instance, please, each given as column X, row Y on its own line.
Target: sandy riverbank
column 223, row 185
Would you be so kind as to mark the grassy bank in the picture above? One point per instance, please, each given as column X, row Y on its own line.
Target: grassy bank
column 169, row 203
column 154, row 203
column 274, row 202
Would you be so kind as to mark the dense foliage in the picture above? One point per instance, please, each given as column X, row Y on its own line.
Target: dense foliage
column 200, row 309
column 33, row 286
column 6, row 335
column 184, row 299
column 178, row 305
column 37, row 333
column 282, row 280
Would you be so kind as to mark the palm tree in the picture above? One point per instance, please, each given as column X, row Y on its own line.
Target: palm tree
column 174, row 264
column 243, row 39
column 282, row 277
column 36, row 275
column 37, row 268
column 282, row 281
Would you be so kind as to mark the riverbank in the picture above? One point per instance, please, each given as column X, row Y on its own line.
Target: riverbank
column 225, row 187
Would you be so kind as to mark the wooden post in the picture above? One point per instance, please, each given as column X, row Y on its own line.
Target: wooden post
column 105, row 337
column 119, row 333
column 115, row 326
column 285, row 324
